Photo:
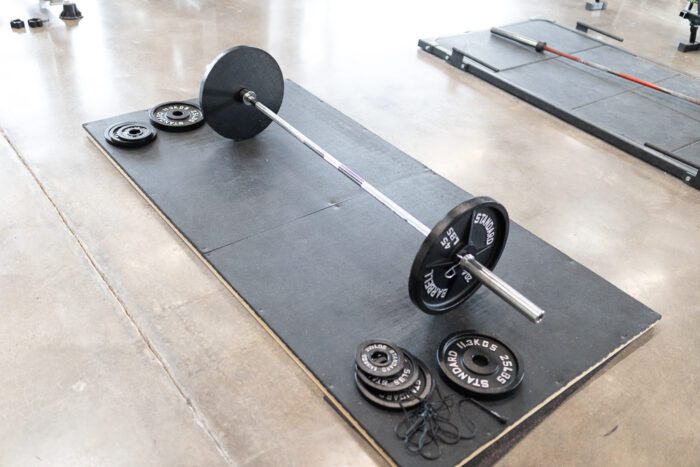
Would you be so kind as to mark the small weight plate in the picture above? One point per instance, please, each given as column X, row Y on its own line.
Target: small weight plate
column 176, row 116
column 130, row 134
column 479, row 364
column 239, row 68
column 411, row 397
column 478, row 227
column 398, row 383
column 380, row 358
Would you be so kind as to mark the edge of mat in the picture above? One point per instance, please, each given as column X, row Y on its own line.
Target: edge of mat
column 336, row 404
column 558, row 393
column 330, row 397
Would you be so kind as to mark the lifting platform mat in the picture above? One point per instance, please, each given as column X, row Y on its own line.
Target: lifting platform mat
column 323, row 266
column 657, row 128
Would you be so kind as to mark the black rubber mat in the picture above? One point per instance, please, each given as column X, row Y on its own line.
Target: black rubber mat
column 325, row 266
column 658, row 128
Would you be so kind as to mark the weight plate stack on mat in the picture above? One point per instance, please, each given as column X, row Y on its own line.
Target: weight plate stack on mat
column 130, row 134
column 479, row 365
column 237, row 69
column 176, row 116
column 405, row 388
column 477, row 227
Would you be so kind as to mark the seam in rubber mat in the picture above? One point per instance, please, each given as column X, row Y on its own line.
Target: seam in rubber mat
column 685, row 146
column 336, row 204
column 648, row 98
column 601, row 99
column 664, row 104
column 274, row 227
column 687, row 160
column 199, row 418
column 554, row 57
column 600, row 75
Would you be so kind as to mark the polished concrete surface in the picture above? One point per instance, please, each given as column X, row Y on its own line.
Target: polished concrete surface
column 119, row 347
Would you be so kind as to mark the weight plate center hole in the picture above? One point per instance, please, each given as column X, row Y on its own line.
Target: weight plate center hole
column 479, row 363
column 134, row 131
column 468, row 250
column 177, row 113
column 379, row 358
column 480, row 360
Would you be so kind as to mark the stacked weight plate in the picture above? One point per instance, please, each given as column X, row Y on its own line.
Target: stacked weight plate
column 389, row 376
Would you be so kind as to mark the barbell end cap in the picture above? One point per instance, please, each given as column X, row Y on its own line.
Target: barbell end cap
column 501, row 32
column 248, row 97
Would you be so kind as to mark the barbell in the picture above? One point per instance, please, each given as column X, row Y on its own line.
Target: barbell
column 240, row 95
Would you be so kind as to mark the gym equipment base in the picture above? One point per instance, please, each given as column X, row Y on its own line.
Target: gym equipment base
column 323, row 266
column 657, row 128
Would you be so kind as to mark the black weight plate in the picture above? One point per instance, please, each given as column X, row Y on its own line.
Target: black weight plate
column 398, row 383
column 479, row 364
column 411, row 397
column 479, row 227
column 130, row 134
column 176, row 116
column 378, row 357
column 239, row 68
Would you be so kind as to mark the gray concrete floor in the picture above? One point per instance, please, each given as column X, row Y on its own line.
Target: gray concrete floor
column 119, row 347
